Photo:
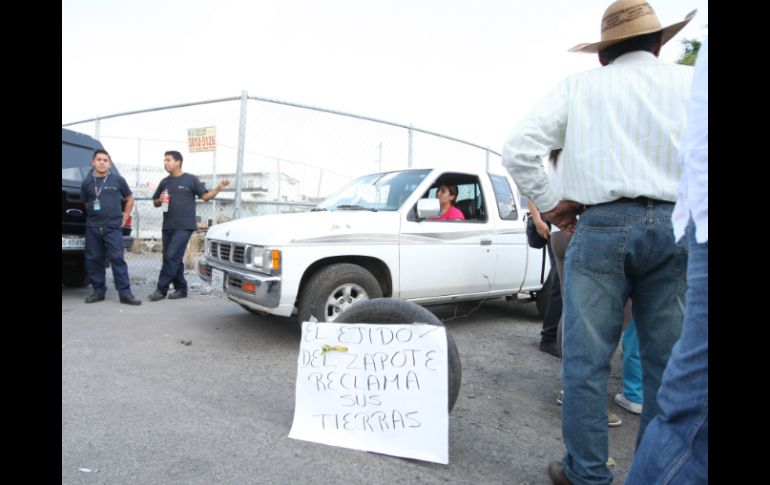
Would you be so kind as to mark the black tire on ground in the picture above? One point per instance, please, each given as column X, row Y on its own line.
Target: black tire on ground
column 389, row 310
column 541, row 297
column 335, row 289
column 73, row 273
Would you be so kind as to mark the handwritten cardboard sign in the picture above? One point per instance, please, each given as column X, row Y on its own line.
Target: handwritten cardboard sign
column 374, row 387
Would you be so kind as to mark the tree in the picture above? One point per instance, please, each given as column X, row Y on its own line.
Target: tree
column 691, row 48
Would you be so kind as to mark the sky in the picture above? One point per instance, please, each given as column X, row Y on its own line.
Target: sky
column 471, row 69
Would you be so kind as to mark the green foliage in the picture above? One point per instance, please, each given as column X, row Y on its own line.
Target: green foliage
column 691, row 48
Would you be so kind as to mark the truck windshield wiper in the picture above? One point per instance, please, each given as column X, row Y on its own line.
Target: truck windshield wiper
column 356, row 207
column 316, row 209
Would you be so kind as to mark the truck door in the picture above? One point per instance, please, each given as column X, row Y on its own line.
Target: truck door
column 510, row 238
column 443, row 258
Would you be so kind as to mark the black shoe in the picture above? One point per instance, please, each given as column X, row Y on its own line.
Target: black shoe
column 94, row 298
column 177, row 294
column 550, row 348
column 156, row 295
column 130, row 300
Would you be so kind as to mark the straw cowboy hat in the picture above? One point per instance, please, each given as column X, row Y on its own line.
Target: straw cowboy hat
column 625, row 19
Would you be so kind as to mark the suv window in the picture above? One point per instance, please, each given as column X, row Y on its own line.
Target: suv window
column 75, row 162
column 504, row 195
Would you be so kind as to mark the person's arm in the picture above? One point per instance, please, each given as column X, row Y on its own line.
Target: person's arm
column 213, row 192
column 156, row 196
column 541, row 131
column 540, row 226
column 127, row 209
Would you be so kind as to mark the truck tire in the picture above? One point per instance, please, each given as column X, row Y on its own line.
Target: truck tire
column 74, row 274
column 334, row 289
column 389, row 310
column 541, row 297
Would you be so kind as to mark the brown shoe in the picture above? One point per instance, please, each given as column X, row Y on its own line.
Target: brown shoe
column 557, row 474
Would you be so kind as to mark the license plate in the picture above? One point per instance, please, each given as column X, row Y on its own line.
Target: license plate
column 73, row 242
column 217, row 279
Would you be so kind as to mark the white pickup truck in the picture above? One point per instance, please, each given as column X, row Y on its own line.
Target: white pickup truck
column 372, row 239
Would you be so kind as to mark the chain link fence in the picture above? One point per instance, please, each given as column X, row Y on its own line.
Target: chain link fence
column 279, row 157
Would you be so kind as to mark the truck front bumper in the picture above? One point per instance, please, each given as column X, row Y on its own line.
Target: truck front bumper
column 259, row 291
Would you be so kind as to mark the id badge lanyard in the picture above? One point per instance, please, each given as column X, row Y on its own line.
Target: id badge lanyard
column 97, row 191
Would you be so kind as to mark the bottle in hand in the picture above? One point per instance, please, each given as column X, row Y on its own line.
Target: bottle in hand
column 164, row 198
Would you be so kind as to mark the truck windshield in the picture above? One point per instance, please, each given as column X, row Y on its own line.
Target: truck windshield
column 379, row 192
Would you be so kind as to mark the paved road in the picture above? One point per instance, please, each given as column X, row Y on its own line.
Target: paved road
column 141, row 407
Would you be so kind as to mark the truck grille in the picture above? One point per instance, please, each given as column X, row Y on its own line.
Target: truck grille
column 228, row 252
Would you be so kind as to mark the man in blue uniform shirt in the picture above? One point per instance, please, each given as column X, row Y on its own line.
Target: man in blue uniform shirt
column 178, row 221
column 103, row 193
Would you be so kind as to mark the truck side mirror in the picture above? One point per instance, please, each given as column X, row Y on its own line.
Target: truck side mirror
column 428, row 208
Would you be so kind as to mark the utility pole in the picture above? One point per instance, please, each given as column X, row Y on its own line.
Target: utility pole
column 379, row 161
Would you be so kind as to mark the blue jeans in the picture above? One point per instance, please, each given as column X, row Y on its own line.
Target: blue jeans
column 620, row 249
column 174, row 244
column 632, row 365
column 674, row 448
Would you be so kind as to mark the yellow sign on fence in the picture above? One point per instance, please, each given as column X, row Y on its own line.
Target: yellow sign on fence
column 202, row 139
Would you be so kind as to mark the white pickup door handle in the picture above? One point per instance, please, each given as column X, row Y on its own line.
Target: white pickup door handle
column 486, row 242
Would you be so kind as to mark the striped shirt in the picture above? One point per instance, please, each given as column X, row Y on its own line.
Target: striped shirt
column 619, row 126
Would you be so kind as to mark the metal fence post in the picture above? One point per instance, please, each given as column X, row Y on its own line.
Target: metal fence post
column 214, row 184
column 138, row 162
column 241, row 146
column 409, row 160
column 278, row 176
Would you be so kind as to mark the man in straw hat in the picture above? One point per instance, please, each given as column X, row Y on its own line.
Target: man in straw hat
column 620, row 127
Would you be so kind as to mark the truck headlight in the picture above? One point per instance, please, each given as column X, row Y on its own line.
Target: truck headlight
column 268, row 259
column 257, row 256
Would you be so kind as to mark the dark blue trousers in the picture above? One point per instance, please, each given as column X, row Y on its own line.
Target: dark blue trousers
column 106, row 243
column 174, row 244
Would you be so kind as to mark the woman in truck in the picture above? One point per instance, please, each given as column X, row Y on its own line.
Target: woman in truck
column 447, row 195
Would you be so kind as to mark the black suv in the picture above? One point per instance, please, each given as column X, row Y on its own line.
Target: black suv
column 77, row 150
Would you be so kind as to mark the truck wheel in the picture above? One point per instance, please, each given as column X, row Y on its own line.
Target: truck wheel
column 541, row 298
column 389, row 310
column 74, row 274
column 334, row 289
